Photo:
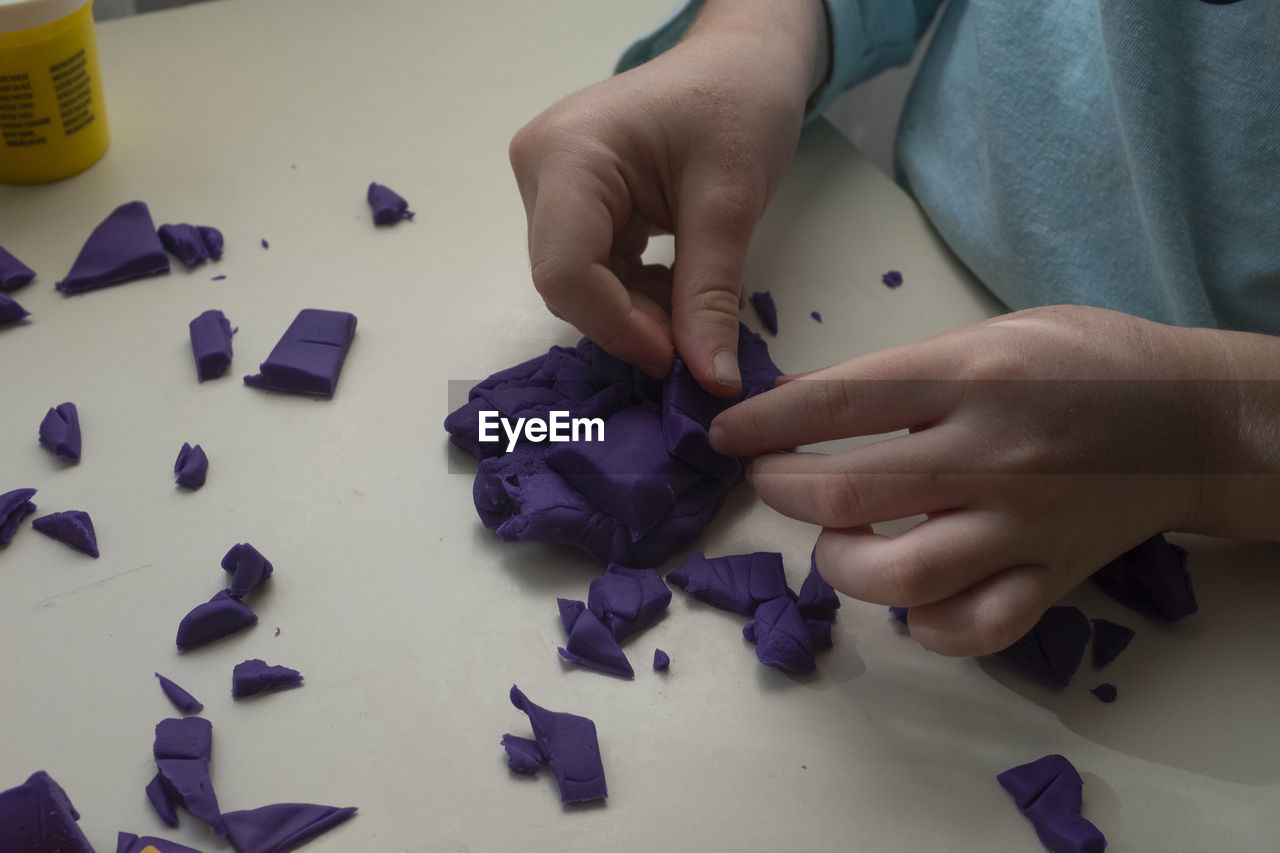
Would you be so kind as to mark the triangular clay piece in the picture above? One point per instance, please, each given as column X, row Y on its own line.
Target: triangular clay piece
column 280, row 827
column 123, row 247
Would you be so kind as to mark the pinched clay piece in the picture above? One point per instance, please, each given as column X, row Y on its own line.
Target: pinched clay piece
column 281, row 827
column 308, row 358
column 211, row 343
column 38, row 816
column 60, row 431
column 1049, row 793
column 247, row 567
column 219, row 617
column 182, row 750
column 254, row 676
column 781, row 636
column 191, row 467
column 738, row 582
column 523, row 755
column 73, row 528
column 192, row 244
column 15, row 506
column 1109, row 640
column 762, row 301
column 124, row 247
column 589, row 643
column 571, row 748
column 127, row 842
column 13, row 272
column 181, row 699
column 661, row 660
column 1051, row 651
column 1151, row 578
column 817, row 599
column 165, row 808
column 388, row 207
column 628, row 600
column 11, row 311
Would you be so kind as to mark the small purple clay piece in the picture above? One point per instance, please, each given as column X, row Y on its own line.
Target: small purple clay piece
column 1151, row 578
column 1106, row 691
column 211, row 343
column 219, row 617
column 181, row 699
column 15, row 506
column 254, row 676
column 247, row 567
column 11, row 311
column 738, row 582
column 281, row 827
column 265, row 244
column 899, row 614
column 661, row 660
column 1051, row 651
column 127, row 842
column 817, row 599
column 892, row 278
column 218, row 278
column 782, row 639
column 589, row 642
column 1109, row 640
column 124, row 247
column 816, row 316
column 160, row 802
column 388, row 207
column 73, row 528
column 192, row 244
column 762, row 301
column 182, row 750
column 1048, row 792
column 308, row 358
column 523, row 755
column 628, row 600
column 192, row 467
column 60, row 431
column 183, row 737
column 38, row 816
column 572, row 750
column 13, row 272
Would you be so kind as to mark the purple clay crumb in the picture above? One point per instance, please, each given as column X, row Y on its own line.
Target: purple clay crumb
column 309, row 356
column 388, row 206
column 13, row 272
column 60, row 431
column 191, row 467
column 218, row 278
column 571, row 747
column 37, row 815
column 211, row 343
column 248, row 569
column 181, row 699
column 255, row 676
column 899, row 614
column 282, row 826
column 277, row 632
column 661, row 660
column 219, row 617
column 523, row 755
column 1049, row 793
column 15, row 506
column 762, row 301
column 265, row 244
column 892, row 278
column 124, row 247
column 73, row 528
column 191, row 244
column 11, row 311
column 1106, row 691
column 816, row 316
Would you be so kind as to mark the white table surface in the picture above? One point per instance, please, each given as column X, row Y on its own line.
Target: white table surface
column 410, row 621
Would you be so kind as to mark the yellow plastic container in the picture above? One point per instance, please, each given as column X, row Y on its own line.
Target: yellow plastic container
column 53, row 122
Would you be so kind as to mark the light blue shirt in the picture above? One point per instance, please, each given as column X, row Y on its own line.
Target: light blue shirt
column 1121, row 153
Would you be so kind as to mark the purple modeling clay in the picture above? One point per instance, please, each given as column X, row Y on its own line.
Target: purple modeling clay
column 1106, row 692
column 388, row 207
column 571, row 748
column 247, row 567
column 264, row 243
column 1109, row 640
column 661, row 660
column 1051, row 651
column 899, row 614
column 181, row 699
column 762, row 301
column 211, row 343
column 13, row 272
column 192, row 244
column 15, row 506
column 38, row 816
column 308, row 358
column 687, row 412
column 219, row 617
column 1151, row 578
column 628, row 600
column 192, row 467
column 1048, row 792
column 739, row 582
column 892, row 278
column 817, row 599
column 122, row 248
column 182, row 750
column 782, row 639
column 523, row 755
column 11, row 311
column 589, row 642
column 816, row 316
column 60, row 431
column 254, row 676
column 165, row 808
column 281, row 827
column 73, row 528
column 127, row 842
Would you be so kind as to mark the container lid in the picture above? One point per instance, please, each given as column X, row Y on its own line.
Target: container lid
column 18, row 15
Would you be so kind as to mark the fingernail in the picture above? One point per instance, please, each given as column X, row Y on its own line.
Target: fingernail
column 717, row 437
column 725, row 367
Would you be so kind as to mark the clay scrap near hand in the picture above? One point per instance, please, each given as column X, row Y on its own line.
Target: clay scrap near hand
column 11, row 311
column 1051, row 651
column 255, row 676
column 589, row 643
column 192, row 244
column 281, row 827
column 387, row 205
column 13, row 272
column 1049, row 793
column 817, row 599
column 628, row 600
column 247, row 567
column 308, row 358
column 182, row 750
column 571, row 749
column 127, row 842
column 15, row 506
column 781, row 636
column 1151, row 578
column 1109, row 640
column 191, row 467
column 124, row 247
column 38, row 816
column 73, row 528
column 738, row 582
column 60, row 431
column 181, row 699
column 762, row 301
column 211, row 343
column 221, row 616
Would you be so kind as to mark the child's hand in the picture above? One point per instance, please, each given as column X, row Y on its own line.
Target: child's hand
column 1042, row 444
column 692, row 143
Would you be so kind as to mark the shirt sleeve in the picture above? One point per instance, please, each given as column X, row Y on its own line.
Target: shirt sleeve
column 867, row 36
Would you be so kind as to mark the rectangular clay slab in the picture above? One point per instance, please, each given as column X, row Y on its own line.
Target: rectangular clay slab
column 308, row 359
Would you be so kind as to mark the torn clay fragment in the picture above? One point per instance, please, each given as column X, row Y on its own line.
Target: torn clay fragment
column 181, row 699
column 628, row 600
column 1106, row 692
column 13, row 272
column 817, row 599
column 191, row 467
column 11, row 311
column 737, row 582
column 255, row 676
column 1151, row 578
column 781, row 636
column 661, row 660
column 73, row 528
column 182, row 750
column 15, row 506
column 124, row 247
column 817, row 317
column 127, row 842
column 571, row 748
column 211, row 343
column 892, row 279
column 165, row 808
column 308, row 358
column 762, row 301
column 1051, row 651
column 247, row 567
column 1049, row 793
column 38, row 816
column 523, row 755
column 1109, row 640
column 899, row 614
column 387, row 205
column 191, row 244
column 219, row 617
column 589, row 643
column 60, row 431
column 281, row 827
